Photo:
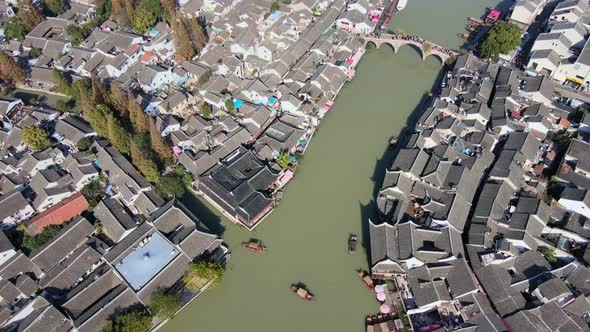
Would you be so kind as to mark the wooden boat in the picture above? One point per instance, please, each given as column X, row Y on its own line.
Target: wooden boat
column 254, row 246
column 304, row 294
column 475, row 20
column 352, row 242
column 367, row 280
column 463, row 35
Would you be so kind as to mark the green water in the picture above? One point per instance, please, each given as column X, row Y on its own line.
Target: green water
column 329, row 198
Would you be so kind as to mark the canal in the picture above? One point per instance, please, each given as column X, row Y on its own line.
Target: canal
column 329, row 197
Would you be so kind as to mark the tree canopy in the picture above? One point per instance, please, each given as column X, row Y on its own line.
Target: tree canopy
column 14, row 28
column 84, row 144
column 502, row 38
column 206, row 110
column 203, row 270
column 170, row 186
column 10, row 71
column 30, row 14
column 133, row 320
column 146, row 15
column 36, row 138
column 54, row 7
column 33, row 242
column 164, row 305
column 189, row 36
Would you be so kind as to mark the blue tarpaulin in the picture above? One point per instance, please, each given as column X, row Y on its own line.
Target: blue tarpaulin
column 238, row 103
column 272, row 100
column 154, row 32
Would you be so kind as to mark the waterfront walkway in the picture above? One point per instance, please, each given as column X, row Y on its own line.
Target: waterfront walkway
column 425, row 47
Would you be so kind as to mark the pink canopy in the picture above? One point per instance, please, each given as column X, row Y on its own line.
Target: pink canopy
column 286, row 177
column 384, row 308
column 494, row 14
column 379, row 289
column 381, row 297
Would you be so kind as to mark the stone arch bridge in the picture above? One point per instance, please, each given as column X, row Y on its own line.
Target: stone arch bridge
column 424, row 47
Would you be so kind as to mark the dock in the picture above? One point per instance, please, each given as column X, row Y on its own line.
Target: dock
column 386, row 16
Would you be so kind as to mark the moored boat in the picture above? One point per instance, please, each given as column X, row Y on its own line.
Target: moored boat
column 254, row 246
column 352, row 242
column 401, row 4
column 302, row 292
column 367, row 280
column 392, row 142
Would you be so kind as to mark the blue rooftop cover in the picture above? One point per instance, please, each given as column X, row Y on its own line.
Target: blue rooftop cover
column 274, row 16
column 272, row 100
column 146, row 261
column 238, row 103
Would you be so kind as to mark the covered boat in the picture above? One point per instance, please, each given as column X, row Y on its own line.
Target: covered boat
column 303, row 293
column 401, row 4
column 352, row 242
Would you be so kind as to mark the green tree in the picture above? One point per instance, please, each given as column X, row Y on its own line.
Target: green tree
column 502, row 38
column 84, row 144
column 33, row 242
column 205, row 110
column 184, row 176
column 549, row 255
column 118, row 134
column 146, row 166
column 93, row 192
column 36, row 138
column 204, row 78
column 15, row 28
column 170, row 186
column 143, row 19
column 54, row 7
column 132, row 320
column 61, row 105
column 76, row 33
column 35, row 52
column 164, row 305
column 203, row 271
column 62, row 83
column 229, row 105
column 98, row 120
column 274, row 6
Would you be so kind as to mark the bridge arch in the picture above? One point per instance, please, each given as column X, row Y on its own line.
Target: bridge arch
column 415, row 47
column 371, row 43
column 388, row 45
column 436, row 56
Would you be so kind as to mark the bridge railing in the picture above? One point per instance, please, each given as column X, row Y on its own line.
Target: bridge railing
column 417, row 40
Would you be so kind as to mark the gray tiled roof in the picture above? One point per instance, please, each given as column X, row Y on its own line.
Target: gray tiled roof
column 66, row 241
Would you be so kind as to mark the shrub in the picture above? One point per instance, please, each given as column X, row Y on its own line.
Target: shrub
column 34, row 242
column 201, row 272
column 84, row 144
column 133, row 320
column 164, row 305
column 36, row 138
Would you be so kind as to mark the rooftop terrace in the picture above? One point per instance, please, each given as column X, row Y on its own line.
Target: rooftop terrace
column 146, row 261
